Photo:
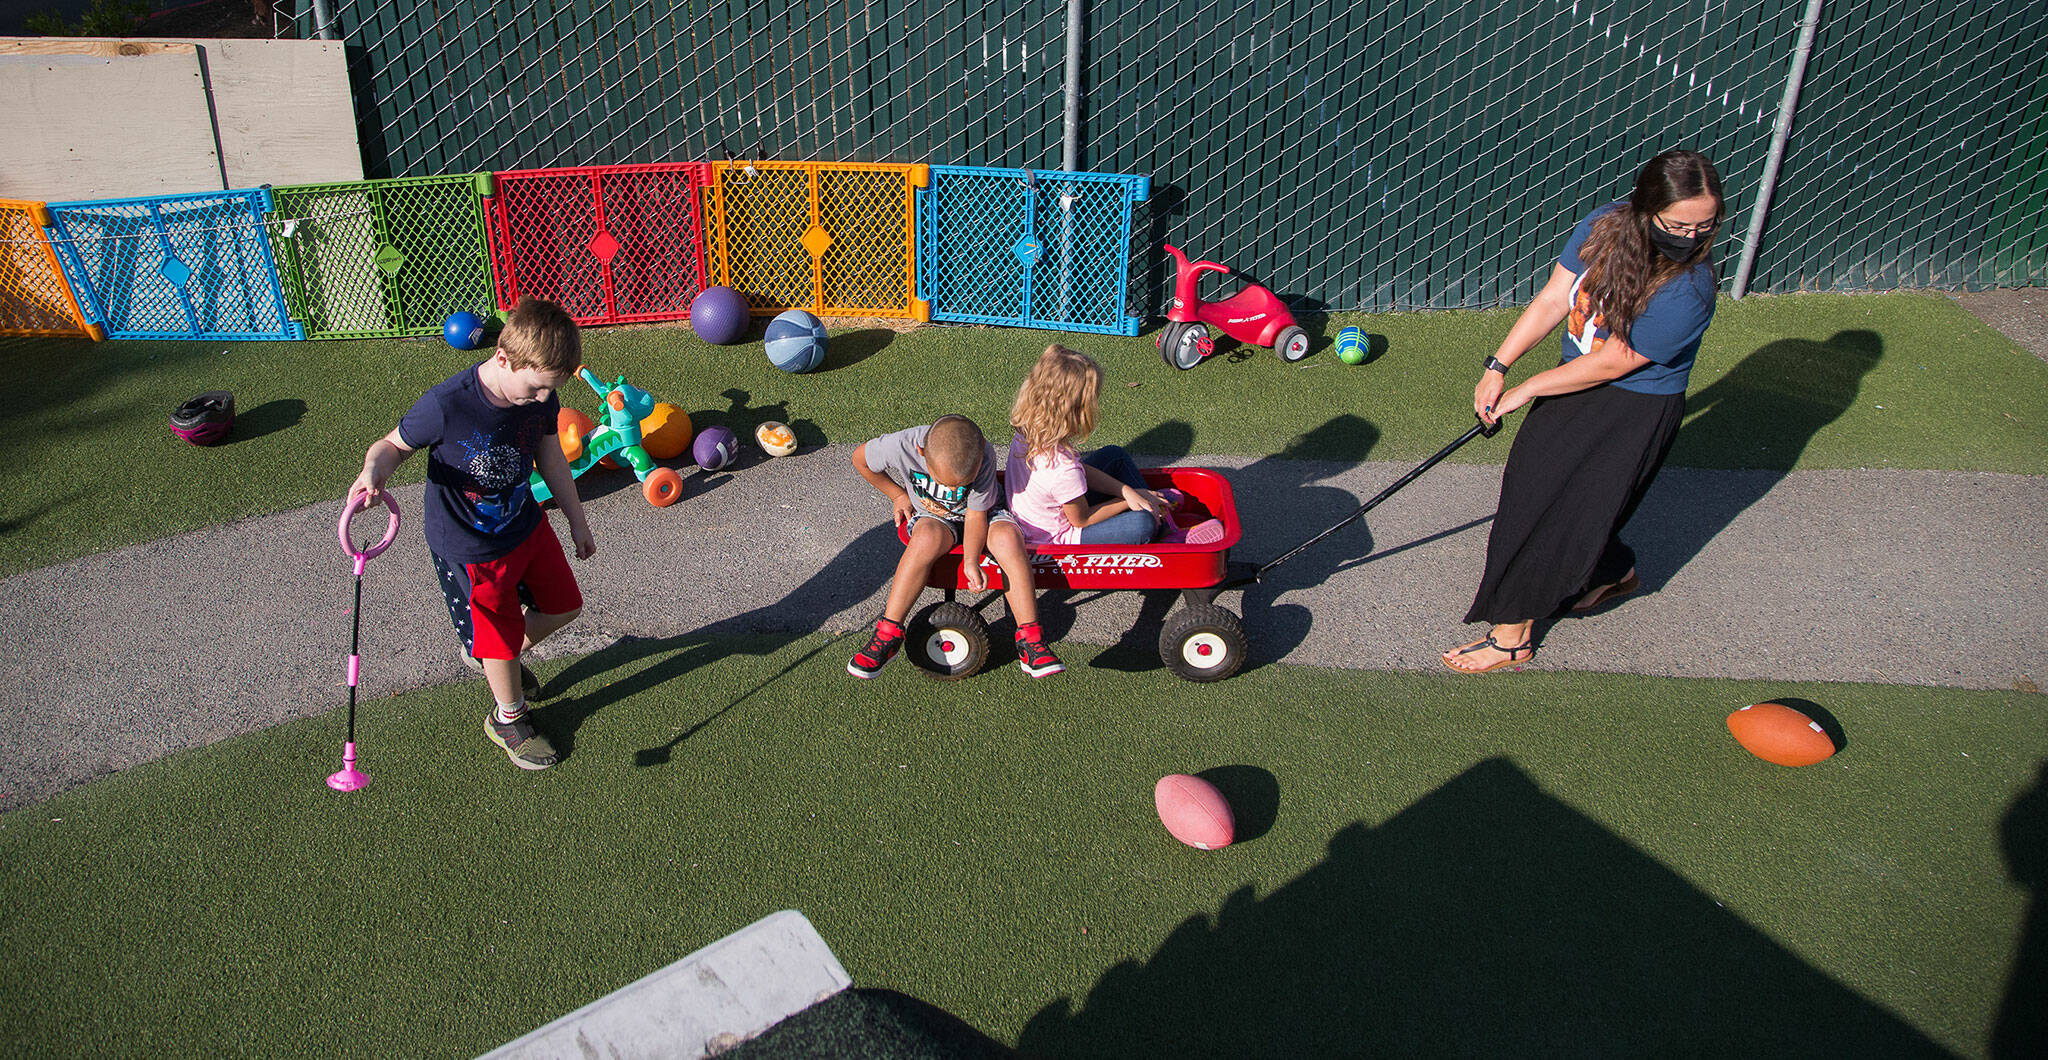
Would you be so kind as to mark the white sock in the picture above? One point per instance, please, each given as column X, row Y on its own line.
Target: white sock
column 507, row 713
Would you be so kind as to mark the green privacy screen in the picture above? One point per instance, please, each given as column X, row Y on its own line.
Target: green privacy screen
column 1407, row 153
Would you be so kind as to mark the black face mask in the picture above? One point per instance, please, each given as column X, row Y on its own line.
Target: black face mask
column 1677, row 248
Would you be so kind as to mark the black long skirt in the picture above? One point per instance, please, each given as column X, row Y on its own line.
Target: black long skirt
column 1580, row 464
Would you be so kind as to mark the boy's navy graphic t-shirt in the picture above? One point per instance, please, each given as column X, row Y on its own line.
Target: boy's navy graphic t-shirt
column 479, row 456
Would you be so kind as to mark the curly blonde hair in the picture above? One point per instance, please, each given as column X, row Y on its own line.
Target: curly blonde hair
column 1056, row 405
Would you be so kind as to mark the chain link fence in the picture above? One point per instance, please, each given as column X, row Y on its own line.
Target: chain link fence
column 1403, row 154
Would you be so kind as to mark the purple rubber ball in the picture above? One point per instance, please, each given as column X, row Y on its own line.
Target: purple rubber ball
column 715, row 448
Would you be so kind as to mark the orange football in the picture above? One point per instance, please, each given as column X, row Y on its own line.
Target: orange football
column 1776, row 733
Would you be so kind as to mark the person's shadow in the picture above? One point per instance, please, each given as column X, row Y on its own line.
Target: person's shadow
column 1488, row 918
column 2022, row 1027
column 1757, row 420
column 853, row 575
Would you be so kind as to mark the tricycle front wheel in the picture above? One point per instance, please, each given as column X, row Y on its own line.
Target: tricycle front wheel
column 948, row 641
column 1188, row 346
column 1202, row 643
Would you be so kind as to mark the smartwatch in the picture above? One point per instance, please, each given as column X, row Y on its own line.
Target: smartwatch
column 1493, row 364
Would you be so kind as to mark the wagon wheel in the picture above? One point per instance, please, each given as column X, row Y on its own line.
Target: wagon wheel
column 1291, row 344
column 1190, row 347
column 663, row 487
column 1202, row 643
column 948, row 641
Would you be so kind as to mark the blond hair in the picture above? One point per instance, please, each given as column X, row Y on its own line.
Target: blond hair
column 953, row 446
column 1056, row 405
column 541, row 334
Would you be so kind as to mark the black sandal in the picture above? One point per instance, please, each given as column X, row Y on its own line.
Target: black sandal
column 1488, row 642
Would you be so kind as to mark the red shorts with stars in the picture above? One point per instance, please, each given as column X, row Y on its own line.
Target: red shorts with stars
column 484, row 599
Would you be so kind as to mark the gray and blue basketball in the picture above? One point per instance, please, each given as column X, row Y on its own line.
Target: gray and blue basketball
column 796, row 341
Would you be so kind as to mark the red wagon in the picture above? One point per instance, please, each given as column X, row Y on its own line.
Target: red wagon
column 1201, row 641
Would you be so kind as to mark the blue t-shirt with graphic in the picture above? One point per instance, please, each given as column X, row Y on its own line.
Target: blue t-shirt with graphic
column 1668, row 331
column 479, row 456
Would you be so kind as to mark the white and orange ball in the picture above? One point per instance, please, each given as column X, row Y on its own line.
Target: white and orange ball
column 775, row 438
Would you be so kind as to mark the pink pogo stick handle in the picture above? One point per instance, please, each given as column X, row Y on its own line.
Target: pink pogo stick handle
column 348, row 511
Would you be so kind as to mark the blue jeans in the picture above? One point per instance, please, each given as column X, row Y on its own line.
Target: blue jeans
column 1123, row 528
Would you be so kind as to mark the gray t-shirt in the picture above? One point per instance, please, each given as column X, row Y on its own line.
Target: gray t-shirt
column 896, row 455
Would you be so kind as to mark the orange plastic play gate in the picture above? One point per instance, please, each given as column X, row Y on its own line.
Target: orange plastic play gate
column 836, row 238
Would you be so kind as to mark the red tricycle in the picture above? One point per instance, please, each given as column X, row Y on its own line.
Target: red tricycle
column 1253, row 315
column 1201, row 642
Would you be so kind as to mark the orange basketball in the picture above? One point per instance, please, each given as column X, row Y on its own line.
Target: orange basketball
column 1776, row 733
column 570, row 428
column 666, row 432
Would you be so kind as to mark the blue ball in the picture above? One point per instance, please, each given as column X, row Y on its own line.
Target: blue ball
column 464, row 331
column 1351, row 348
column 796, row 341
column 719, row 315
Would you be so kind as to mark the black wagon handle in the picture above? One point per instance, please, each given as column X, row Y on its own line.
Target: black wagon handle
column 1480, row 429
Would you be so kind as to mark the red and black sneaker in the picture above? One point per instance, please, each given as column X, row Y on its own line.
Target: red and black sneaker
column 887, row 640
column 1033, row 657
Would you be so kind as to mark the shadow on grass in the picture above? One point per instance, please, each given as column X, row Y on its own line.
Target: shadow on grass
column 267, row 418
column 852, row 575
column 848, row 348
column 2022, row 1026
column 1486, row 919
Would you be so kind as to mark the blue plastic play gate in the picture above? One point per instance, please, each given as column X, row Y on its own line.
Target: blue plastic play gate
column 1028, row 248
column 175, row 266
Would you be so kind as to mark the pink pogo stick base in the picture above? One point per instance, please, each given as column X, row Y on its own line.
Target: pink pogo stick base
column 348, row 779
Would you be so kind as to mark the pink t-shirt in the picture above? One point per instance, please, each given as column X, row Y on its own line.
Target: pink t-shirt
column 1040, row 488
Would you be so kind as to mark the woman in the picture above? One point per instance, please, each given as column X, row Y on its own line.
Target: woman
column 1635, row 289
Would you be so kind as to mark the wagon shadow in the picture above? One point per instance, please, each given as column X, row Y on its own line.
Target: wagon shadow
column 854, row 574
column 1488, row 918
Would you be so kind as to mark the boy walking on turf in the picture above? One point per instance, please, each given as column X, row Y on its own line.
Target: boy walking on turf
column 485, row 430
column 941, row 479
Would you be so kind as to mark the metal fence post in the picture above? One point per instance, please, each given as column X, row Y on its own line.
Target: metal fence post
column 323, row 20
column 1794, row 77
column 1070, row 151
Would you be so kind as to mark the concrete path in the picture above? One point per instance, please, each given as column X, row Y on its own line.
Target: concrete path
column 1905, row 577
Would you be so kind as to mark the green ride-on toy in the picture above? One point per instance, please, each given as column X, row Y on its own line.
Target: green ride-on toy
column 618, row 437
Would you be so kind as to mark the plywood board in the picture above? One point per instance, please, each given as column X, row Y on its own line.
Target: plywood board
column 283, row 110
column 98, row 119
column 102, row 118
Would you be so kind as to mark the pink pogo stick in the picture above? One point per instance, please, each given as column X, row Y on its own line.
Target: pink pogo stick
column 349, row 779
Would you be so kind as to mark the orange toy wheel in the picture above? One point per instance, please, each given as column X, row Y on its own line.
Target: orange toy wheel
column 663, row 487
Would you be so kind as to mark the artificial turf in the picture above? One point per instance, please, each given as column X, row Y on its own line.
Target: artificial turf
column 1806, row 381
column 1533, row 862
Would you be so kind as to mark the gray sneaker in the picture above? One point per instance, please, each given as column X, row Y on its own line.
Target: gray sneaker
column 527, row 748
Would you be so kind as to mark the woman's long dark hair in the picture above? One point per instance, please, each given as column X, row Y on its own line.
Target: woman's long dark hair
column 1623, row 268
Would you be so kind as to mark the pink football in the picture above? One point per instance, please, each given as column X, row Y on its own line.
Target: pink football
column 1194, row 811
